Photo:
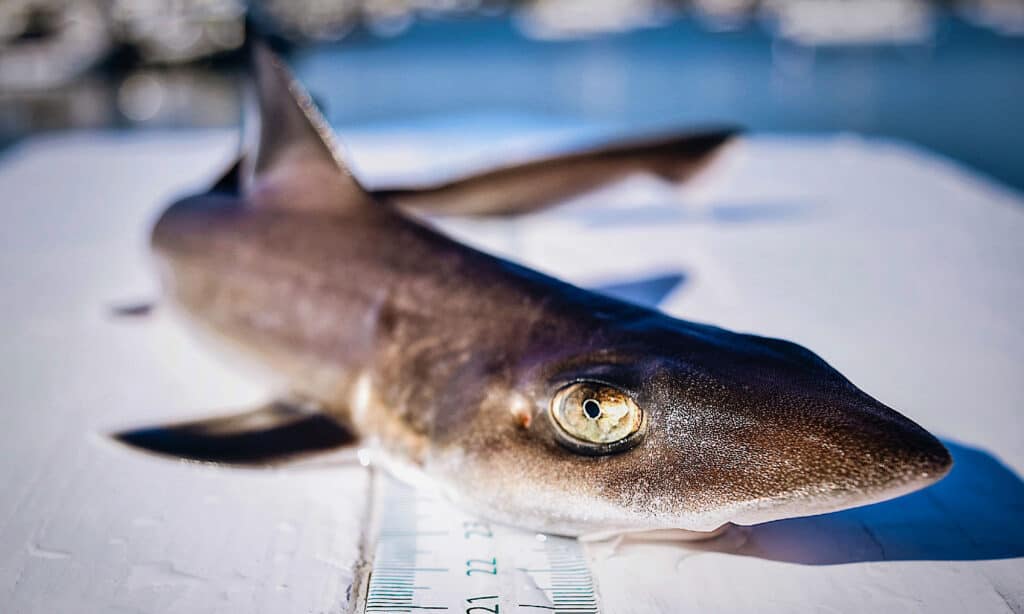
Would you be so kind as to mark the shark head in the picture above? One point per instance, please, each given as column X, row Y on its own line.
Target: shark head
column 660, row 423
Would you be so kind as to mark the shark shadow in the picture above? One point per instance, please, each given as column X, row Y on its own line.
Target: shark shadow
column 973, row 514
column 674, row 213
column 646, row 292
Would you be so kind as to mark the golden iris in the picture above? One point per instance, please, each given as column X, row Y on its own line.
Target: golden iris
column 595, row 413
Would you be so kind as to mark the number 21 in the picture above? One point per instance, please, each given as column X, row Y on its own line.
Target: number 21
column 482, row 608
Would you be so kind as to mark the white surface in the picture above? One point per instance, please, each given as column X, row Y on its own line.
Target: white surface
column 903, row 271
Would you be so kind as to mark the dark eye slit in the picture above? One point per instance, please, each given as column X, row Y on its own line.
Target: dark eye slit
column 592, row 409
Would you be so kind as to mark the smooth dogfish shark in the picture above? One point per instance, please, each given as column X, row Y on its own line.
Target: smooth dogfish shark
column 525, row 399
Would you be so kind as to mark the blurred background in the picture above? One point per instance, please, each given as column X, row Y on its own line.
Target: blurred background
column 945, row 75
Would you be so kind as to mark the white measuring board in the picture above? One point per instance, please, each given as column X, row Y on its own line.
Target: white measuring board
column 430, row 556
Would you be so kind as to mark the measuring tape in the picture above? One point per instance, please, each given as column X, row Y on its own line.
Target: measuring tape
column 429, row 556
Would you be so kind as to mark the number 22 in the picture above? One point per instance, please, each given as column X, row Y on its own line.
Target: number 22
column 481, row 566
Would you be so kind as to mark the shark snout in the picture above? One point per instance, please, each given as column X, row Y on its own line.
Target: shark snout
column 757, row 429
column 835, row 456
column 896, row 451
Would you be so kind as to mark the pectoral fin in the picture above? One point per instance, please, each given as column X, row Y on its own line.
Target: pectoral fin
column 269, row 435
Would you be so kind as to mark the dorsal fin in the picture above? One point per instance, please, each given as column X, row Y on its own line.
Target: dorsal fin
column 297, row 164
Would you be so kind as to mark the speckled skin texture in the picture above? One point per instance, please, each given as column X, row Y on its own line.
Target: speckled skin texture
column 446, row 359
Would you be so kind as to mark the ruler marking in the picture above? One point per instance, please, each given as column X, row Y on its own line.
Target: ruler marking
column 570, row 583
column 575, row 602
column 405, row 549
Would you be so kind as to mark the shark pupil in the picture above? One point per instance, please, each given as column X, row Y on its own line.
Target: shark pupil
column 592, row 408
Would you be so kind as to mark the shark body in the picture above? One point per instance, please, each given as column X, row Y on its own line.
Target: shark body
column 526, row 399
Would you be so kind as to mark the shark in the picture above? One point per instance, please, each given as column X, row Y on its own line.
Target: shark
column 525, row 399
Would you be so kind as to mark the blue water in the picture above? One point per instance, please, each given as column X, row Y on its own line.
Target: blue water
column 960, row 95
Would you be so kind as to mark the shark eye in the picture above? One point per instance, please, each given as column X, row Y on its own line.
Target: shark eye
column 595, row 418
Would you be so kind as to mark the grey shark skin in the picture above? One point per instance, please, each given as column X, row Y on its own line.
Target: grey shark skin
column 448, row 361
